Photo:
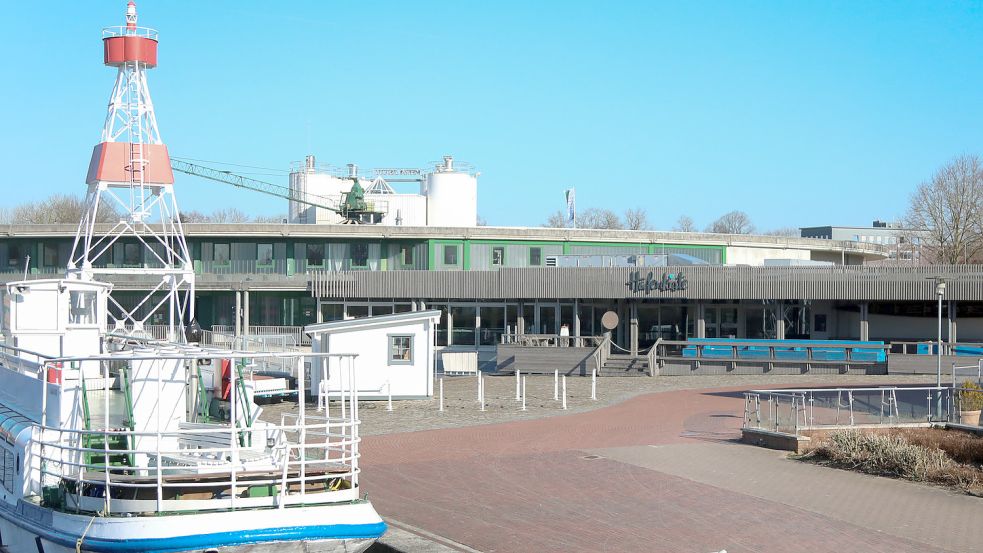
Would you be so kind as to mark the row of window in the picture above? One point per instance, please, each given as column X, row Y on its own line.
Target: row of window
column 497, row 255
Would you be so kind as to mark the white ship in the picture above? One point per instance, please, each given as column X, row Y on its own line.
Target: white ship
column 111, row 441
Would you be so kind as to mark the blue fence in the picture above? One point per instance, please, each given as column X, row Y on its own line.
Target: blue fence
column 792, row 350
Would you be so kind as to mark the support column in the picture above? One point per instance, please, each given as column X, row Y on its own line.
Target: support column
column 238, row 313
column 701, row 321
column 633, row 336
column 520, row 319
column 575, row 331
column 864, row 322
column 953, row 335
column 780, row 322
column 245, row 312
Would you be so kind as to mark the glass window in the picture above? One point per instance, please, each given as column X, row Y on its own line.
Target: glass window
column 50, row 255
column 450, row 254
column 315, row 255
column 498, row 256
column 357, row 311
column 131, row 254
column 264, row 254
column 13, row 255
column 332, row 312
column 535, row 257
column 400, row 350
column 406, row 254
column 402, row 308
column 442, row 325
column 221, row 254
column 360, row 255
column 492, row 325
column 464, row 319
column 82, row 308
column 382, row 310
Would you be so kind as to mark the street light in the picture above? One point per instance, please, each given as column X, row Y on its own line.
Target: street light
column 939, row 291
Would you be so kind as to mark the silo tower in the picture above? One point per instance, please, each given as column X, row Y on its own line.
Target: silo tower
column 130, row 170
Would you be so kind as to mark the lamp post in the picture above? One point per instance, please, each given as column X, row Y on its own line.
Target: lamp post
column 939, row 291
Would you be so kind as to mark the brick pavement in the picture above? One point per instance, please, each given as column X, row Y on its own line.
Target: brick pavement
column 526, row 486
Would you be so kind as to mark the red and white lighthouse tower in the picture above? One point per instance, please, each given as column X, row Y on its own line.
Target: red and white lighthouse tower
column 130, row 170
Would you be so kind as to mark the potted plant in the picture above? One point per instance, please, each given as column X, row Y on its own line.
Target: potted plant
column 970, row 403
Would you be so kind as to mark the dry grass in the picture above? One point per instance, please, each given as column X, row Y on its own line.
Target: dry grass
column 923, row 455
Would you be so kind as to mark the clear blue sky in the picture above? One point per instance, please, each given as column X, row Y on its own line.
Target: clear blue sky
column 800, row 113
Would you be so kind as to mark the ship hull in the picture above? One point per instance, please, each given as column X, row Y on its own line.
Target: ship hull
column 345, row 528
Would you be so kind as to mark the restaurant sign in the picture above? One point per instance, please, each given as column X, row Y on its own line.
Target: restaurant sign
column 670, row 282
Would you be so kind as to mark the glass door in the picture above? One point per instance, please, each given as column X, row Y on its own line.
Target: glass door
column 548, row 319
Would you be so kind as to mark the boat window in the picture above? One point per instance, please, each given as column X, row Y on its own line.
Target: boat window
column 82, row 308
column 400, row 349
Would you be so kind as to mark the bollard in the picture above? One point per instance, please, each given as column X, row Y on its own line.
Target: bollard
column 517, row 385
column 564, row 392
column 593, row 384
column 441, row 394
column 523, row 393
column 481, row 381
column 556, row 385
column 389, row 392
column 479, row 385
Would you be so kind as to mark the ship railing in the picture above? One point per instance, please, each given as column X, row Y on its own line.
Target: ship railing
column 187, row 470
column 123, row 30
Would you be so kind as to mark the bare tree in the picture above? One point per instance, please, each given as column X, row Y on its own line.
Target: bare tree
column 945, row 214
column 735, row 222
column 6, row 216
column 596, row 218
column 193, row 216
column 228, row 215
column 481, row 222
column 269, row 218
column 791, row 232
column 60, row 208
column 636, row 219
column 556, row 220
column 684, row 224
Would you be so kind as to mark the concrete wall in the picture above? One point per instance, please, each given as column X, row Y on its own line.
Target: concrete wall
column 743, row 255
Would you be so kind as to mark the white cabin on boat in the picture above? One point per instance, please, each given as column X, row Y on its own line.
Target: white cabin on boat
column 395, row 355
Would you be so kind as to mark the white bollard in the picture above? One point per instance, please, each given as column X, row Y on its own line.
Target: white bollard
column 389, row 391
column 564, row 392
column 517, row 385
column 523, row 393
column 479, row 385
column 556, row 385
column 441, row 394
column 481, row 381
column 593, row 384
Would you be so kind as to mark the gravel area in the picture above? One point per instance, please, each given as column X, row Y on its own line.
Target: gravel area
column 461, row 406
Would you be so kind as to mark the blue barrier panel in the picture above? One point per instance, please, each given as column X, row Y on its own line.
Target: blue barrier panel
column 792, row 350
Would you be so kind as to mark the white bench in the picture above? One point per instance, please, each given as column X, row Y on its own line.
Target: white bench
column 195, row 447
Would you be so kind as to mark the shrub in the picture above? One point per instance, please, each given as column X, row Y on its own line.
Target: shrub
column 970, row 396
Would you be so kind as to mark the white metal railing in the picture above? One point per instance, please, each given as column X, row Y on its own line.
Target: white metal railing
column 550, row 340
column 294, row 333
column 123, row 30
column 198, row 466
column 793, row 410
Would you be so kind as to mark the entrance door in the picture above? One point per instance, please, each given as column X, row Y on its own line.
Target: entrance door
column 548, row 319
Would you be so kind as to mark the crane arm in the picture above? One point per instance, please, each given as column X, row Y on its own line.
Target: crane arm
column 251, row 184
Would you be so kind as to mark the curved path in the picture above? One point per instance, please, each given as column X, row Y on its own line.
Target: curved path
column 659, row 472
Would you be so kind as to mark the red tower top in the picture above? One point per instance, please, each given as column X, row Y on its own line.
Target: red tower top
column 129, row 43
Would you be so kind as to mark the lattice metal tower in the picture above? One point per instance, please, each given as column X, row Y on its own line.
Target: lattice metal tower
column 130, row 170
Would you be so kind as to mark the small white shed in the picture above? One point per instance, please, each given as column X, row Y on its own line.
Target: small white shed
column 395, row 355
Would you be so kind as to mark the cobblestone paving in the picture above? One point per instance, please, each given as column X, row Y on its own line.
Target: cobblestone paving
column 461, row 406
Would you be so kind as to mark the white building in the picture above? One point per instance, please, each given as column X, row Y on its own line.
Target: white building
column 395, row 355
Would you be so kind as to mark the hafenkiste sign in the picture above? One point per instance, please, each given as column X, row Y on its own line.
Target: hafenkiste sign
column 670, row 282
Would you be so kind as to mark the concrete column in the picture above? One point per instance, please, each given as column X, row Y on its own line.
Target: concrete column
column 633, row 337
column 780, row 328
column 701, row 321
column 953, row 335
column 520, row 319
column 576, row 318
column 245, row 312
column 864, row 322
column 238, row 313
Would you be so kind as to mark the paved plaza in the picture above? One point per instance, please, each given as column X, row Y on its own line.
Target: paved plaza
column 653, row 465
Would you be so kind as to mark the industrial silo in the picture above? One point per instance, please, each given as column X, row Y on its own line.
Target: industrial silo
column 452, row 196
column 319, row 187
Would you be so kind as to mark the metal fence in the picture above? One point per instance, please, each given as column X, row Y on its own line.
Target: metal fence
column 294, row 333
column 792, row 411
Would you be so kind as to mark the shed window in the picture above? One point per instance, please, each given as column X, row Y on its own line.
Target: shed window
column 400, row 349
column 450, row 254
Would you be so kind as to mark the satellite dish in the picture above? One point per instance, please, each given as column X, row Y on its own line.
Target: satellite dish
column 609, row 320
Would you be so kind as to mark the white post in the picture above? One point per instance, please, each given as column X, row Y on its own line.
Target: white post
column 517, row 385
column 523, row 393
column 389, row 392
column 593, row 384
column 556, row 385
column 441, row 394
column 478, row 380
column 564, row 392
column 481, row 383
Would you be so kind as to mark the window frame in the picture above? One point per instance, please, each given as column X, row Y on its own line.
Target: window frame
column 450, row 248
column 272, row 260
column 539, row 255
column 351, row 255
column 228, row 258
column 307, row 254
column 391, row 349
column 501, row 259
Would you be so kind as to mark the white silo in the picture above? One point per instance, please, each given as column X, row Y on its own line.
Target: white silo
column 319, row 187
column 452, row 196
column 300, row 213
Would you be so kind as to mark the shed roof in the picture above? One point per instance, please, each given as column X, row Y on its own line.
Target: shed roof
column 371, row 322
